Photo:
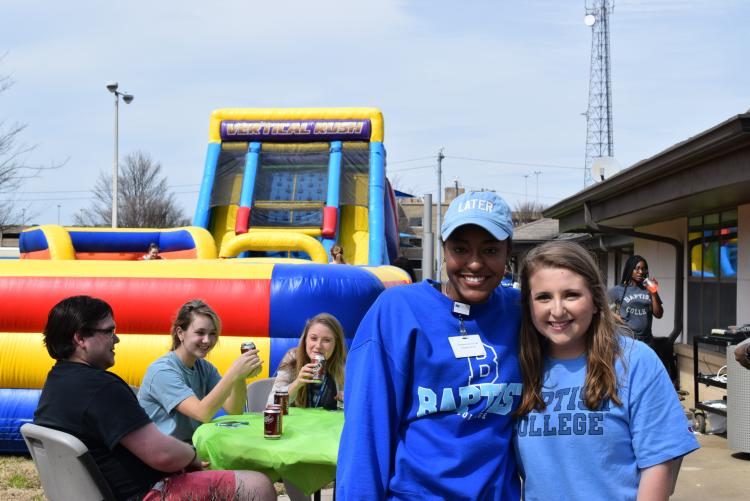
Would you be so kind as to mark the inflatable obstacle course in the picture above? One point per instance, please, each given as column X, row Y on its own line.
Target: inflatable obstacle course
column 280, row 187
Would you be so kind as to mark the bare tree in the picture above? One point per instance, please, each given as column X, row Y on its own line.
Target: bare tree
column 143, row 199
column 526, row 212
column 397, row 183
column 14, row 168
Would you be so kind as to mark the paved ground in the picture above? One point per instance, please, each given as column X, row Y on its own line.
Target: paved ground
column 712, row 473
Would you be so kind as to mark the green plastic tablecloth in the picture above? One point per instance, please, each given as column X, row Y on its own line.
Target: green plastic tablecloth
column 305, row 454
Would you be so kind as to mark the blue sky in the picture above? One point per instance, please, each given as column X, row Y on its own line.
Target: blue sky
column 498, row 80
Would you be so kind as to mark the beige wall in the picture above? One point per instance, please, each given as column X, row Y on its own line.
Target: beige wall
column 612, row 276
column 660, row 259
column 661, row 266
column 743, row 265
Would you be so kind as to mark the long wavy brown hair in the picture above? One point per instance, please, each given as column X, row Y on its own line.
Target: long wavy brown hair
column 602, row 340
column 335, row 363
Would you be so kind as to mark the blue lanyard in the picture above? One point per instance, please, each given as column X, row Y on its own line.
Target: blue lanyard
column 321, row 392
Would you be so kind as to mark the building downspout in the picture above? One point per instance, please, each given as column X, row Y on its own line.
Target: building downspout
column 679, row 262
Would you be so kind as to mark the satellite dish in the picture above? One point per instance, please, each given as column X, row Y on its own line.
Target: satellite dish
column 603, row 167
column 589, row 20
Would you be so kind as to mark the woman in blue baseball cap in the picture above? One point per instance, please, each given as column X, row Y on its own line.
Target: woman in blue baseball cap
column 433, row 376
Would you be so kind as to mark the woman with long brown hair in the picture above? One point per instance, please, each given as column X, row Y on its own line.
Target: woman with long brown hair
column 323, row 335
column 182, row 389
column 598, row 412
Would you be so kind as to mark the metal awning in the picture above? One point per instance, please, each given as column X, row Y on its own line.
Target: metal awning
column 706, row 173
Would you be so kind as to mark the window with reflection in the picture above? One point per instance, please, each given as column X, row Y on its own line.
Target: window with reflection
column 712, row 278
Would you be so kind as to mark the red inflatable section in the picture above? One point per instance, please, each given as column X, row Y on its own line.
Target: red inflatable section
column 330, row 220
column 243, row 220
column 141, row 305
column 42, row 254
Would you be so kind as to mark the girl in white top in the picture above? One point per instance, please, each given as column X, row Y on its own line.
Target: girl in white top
column 324, row 335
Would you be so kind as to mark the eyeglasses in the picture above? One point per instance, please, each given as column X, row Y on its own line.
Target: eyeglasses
column 110, row 332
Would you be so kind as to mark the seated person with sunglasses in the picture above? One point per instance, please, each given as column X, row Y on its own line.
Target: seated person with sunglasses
column 82, row 398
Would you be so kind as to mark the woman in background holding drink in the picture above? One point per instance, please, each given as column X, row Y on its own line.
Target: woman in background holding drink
column 313, row 372
column 181, row 389
column 636, row 299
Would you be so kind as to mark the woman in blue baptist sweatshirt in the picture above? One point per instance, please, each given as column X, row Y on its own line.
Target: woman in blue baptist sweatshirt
column 432, row 377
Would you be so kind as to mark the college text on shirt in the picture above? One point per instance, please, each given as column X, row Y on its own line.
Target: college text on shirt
column 569, row 416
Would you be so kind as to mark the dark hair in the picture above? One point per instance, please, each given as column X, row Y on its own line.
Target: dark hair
column 630, row 264
column 602, row 340
column 185, row 317
column 71, row 315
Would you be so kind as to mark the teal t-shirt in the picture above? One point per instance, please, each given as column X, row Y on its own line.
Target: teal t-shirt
column 167, row 383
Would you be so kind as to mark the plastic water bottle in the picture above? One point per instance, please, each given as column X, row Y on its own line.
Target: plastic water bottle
column 652, row 286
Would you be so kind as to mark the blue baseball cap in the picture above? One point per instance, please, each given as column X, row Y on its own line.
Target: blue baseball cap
column 483, row 208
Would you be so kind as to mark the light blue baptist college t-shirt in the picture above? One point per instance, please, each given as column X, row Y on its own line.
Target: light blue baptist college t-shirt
column 569, row 452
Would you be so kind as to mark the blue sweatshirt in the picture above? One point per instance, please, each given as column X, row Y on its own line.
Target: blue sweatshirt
column 421, row 423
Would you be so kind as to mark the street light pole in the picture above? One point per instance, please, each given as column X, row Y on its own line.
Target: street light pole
column 438, row 248
column 58, row 214
column 115, row 161
column 128, row 98
column 526, row 189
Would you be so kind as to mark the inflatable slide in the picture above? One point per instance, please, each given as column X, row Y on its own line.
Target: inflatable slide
column 280, row 187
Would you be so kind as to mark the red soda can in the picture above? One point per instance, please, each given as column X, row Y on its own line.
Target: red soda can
column 247, row 346
column 277, row 407
column 281, row 398
column 319, row 371
column 272, row 422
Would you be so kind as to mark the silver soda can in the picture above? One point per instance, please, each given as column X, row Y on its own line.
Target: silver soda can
column 319, row 371
column 247, row 346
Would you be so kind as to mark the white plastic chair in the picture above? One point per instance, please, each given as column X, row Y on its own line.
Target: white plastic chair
column 65, row 466
column 257, row 394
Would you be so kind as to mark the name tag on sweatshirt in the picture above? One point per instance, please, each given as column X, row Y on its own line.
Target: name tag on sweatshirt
column 467, row 346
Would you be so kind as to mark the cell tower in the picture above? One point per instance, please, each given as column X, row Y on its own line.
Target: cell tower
column 599, row 113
